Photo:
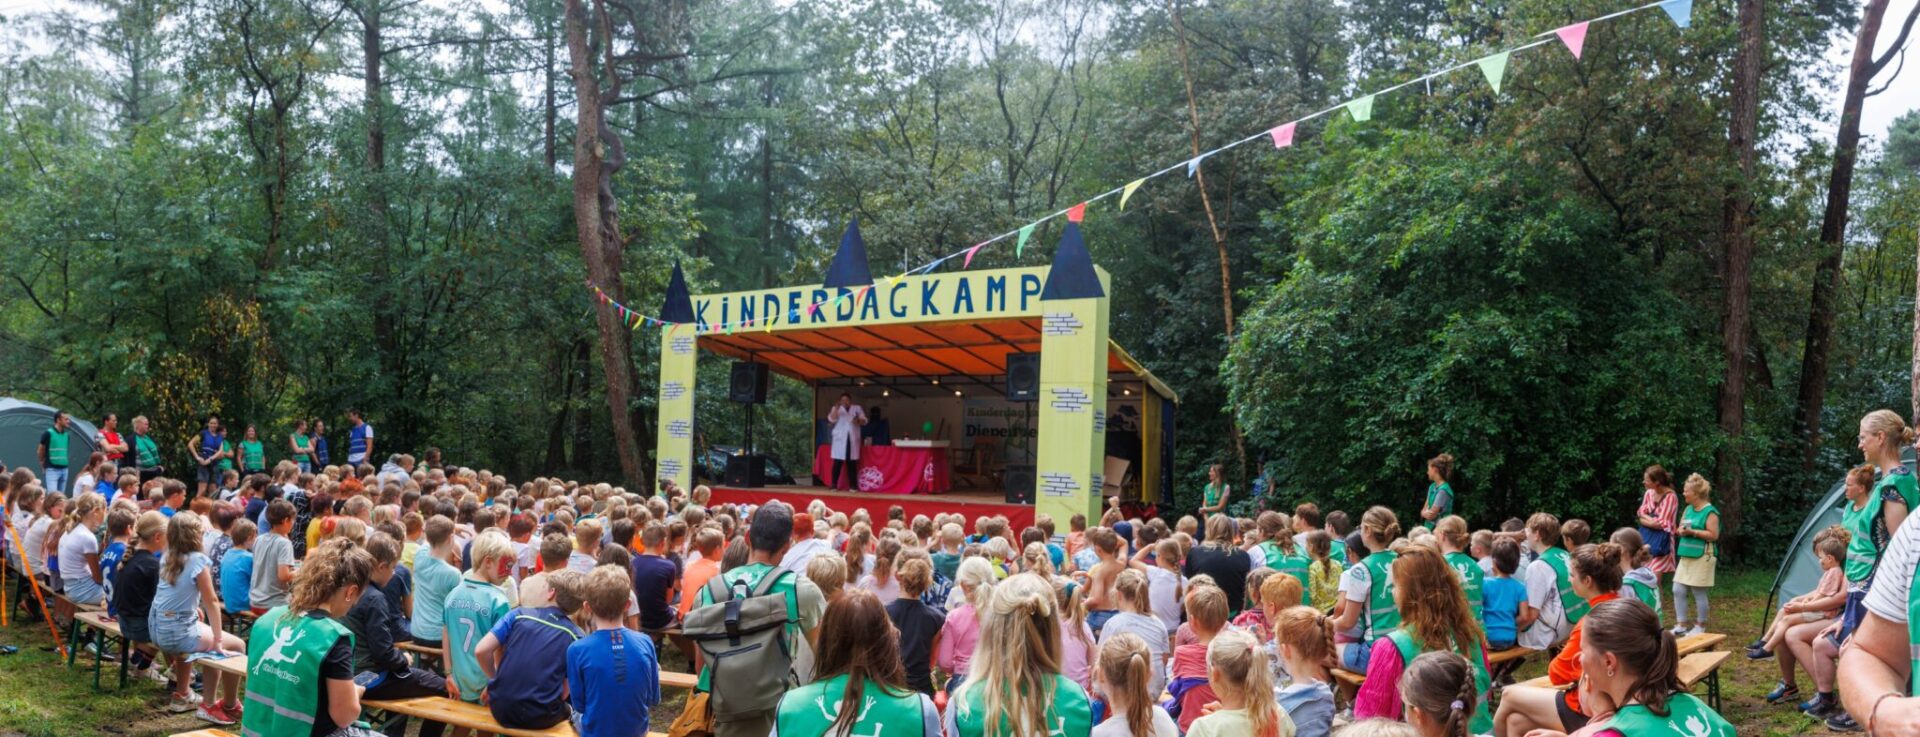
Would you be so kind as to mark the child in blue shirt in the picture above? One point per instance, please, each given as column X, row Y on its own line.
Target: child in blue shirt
column 613, row 677
column 471, row 611
column 119, row 530
column 1504, row 599
column 236, row 567
column 528, row 688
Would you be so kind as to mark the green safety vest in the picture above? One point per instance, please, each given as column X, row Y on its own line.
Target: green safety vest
column 146, row 451
column 1070, row 716
column 1686, row 717
column 1571, row 603
column 1913, row 635
column 301, row 440
column 810, row 710
column 1471, row 579
column 1433, row 492
column 1294, row 565
column 1647, row 595
column 1862, row 555
column 284, row 652
column 1693, row 547
column 56, row 448
column 226, row 462
column 1482, row 721
column 1338, row 551
column 252, row 456
column 1383, row 615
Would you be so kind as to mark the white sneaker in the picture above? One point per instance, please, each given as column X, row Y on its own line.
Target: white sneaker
column 1680, row 630
column 94, row 650
column 182, row 705
column 1697, row 630
column 157, row 674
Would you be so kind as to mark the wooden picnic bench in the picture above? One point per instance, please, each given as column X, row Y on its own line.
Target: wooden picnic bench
column 232, row 665
column 101, row 629
column 421, row 653
column 205, row 733
column 1686, row 646
column 458, row 713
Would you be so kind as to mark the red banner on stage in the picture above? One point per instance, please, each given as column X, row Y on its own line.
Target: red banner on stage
column 891, row 469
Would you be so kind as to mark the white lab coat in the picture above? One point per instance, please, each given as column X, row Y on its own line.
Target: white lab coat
column 846, row 431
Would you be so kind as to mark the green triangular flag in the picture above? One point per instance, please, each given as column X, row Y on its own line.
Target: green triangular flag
column 1362, row 109
column 1128, row 192
column 1495, row 68
column 1021, row 246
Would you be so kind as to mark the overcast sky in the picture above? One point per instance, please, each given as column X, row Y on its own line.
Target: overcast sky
column 1901, row 97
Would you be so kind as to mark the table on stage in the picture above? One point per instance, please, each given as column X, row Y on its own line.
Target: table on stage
column 906, row 467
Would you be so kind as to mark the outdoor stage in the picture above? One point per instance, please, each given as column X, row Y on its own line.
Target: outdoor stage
column 970, row 503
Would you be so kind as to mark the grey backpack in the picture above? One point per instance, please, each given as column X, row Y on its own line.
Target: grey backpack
column 743, row 636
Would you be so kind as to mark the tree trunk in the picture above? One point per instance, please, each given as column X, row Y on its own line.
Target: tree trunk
column 1916, row 330
column 597, row 155
column 1833, row 231
column 1213, row 224
column 1737, row 263
column 373, row 99
column 551, row 110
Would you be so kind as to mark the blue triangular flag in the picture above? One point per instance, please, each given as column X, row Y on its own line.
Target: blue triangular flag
column 1680, row 10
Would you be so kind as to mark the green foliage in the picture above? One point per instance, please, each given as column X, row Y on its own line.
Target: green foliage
column 1447, row 298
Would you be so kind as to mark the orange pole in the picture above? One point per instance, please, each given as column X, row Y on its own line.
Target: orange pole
column 27, row 566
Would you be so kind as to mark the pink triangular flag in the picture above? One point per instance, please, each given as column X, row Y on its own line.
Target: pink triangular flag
column 1574, row 36
column 1077, row 213
column 813, row 308
column 970, row 253
column 1283, row 136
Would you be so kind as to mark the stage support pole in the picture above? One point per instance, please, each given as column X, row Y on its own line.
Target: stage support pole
column 673, row 452
column 1073, row 407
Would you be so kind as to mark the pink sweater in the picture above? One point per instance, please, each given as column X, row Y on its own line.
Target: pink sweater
column 1380, row 695
column 957, row 639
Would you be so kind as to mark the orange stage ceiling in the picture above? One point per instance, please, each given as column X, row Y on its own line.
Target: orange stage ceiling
column 926, row 349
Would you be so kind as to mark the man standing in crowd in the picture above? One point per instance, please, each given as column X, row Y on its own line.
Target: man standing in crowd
column 53, row 453
column 359, row 439
column 108, row 441
column 208, row 452
column 146, row 453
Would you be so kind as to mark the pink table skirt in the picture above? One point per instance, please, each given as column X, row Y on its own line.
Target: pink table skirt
column 888, row 469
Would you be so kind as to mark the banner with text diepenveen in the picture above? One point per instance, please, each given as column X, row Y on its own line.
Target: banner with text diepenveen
column 966, row 295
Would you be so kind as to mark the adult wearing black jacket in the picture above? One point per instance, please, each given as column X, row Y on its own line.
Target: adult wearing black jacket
column 382, row 667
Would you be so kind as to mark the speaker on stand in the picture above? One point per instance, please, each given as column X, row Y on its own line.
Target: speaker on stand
column 748, row 384
column 1023, row 385
column 1019, row 480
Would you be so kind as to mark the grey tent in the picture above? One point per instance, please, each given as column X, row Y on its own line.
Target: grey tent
column 21, row 423
column 1800, row 569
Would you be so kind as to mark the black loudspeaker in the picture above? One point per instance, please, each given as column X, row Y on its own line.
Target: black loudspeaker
column 1023, row 377
column 746, row 471
column 748, row 383
column 1019, row 478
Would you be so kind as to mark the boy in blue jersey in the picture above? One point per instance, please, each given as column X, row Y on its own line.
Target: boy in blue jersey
column 613, row 677
column 119, row 530
column 471, row 611
column 529, row 687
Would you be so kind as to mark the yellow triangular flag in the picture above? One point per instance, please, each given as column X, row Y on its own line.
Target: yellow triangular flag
column 1128, row 192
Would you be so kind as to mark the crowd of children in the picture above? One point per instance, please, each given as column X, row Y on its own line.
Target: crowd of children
column 546, row 601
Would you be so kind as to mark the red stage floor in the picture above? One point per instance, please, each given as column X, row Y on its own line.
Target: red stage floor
column 971, row 504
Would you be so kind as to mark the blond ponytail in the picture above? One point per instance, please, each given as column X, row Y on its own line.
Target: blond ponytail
column 1241, row 665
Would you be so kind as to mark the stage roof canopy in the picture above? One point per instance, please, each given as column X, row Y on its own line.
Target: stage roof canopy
column 915, row 352
column 904, row 331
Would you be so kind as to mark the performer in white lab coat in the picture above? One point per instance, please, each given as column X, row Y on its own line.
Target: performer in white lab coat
column 847, row 418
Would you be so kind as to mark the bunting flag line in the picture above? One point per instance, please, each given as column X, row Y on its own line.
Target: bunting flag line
column 1574, row 36
column 1282, row 136
column 1495, row 68
column 1492, row 67
column 1361, row 109
column 1681, row 11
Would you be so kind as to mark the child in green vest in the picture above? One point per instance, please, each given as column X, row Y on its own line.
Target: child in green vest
column 300, row 657
column 1642, row 679
column 1640, row 580
column 854, row 667
column 1013, row 678
column 1699, row 531
column 1439, row 490
column 1366, row 610
column 1451, row 532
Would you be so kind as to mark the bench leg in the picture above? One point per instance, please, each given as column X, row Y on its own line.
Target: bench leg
column 73, row 640
column 1713, row 688
column 126, row 658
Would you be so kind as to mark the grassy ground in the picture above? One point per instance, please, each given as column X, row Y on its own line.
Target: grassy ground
column 41, row 697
